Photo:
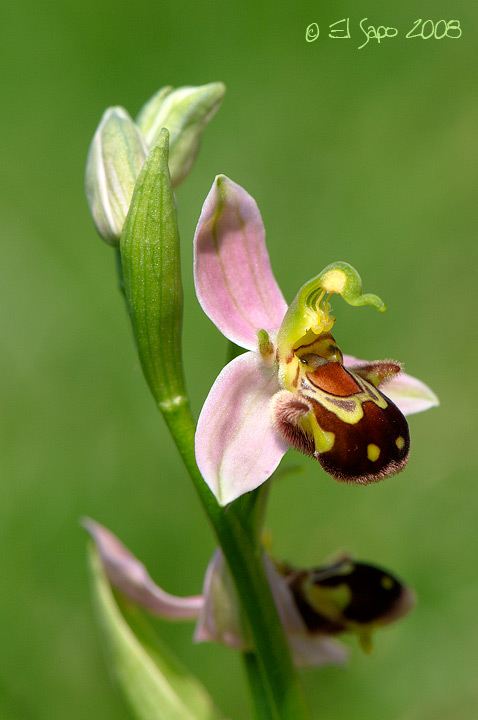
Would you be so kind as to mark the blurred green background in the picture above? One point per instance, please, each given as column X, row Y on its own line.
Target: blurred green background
column 369, row 156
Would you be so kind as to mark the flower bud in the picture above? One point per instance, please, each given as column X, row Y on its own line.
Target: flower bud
column 185, row 112
column 115, row 157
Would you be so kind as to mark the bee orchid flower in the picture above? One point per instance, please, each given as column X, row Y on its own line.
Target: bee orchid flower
column 293, row 387
column 314, row 605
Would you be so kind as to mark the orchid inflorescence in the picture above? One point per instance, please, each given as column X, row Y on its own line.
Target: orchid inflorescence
column 292, row 387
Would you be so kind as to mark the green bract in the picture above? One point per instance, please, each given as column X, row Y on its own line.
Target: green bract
column 152, row 279
column 154, row 684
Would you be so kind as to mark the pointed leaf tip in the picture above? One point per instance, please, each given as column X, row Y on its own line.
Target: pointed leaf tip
column 153, row 682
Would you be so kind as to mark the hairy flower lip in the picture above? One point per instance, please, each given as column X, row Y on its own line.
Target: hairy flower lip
column 236, row 288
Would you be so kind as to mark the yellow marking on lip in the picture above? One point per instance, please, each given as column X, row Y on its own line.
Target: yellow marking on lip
column 323, row 440
column 373, row 452
column 400, row 442
column 386, row 582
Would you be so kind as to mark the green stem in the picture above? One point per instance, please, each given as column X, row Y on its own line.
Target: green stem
column 262, row 707
column 244, row 557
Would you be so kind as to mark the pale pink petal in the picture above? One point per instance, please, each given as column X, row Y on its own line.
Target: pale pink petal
column 232, row 272
column 316, row 651
column 130, row 576
column 350, row 361
column 237, row 448
column 408, row 393
column 220, row 618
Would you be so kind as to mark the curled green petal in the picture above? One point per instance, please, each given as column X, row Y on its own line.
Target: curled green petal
column 309, row 313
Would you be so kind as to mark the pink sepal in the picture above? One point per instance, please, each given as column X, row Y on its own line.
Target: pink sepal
column 129, row 575
column 219, row 619
column 232, row 272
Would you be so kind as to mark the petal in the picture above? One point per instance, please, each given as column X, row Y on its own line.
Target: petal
column 130, row 576
column 220, row 618
column 237, row 448
column 316, row 651
column 408, row 393
column 232, row 273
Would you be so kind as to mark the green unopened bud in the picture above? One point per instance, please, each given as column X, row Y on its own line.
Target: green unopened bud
column 185, row 112
column 115, row 157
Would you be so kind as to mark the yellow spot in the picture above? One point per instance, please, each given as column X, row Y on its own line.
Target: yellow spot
column 334, row 281
column 386, row 582
column 323, row 440
column 373, row 452
column 400, row 442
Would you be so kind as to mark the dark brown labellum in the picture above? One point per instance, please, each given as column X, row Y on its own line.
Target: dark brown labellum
column 371, row 436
